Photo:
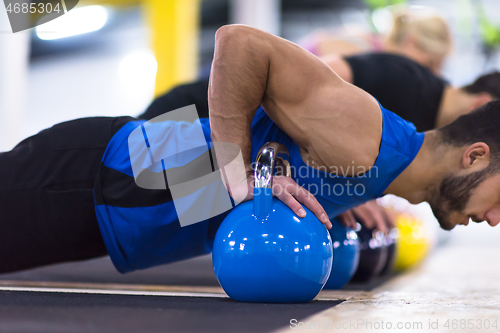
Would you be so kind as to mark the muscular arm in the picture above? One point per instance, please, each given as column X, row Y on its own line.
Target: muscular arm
column 237, row 85
column 298, row 91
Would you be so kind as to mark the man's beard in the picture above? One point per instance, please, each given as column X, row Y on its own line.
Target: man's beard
column 453, row 194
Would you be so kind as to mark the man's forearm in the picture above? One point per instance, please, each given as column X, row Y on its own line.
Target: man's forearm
column 237, row 86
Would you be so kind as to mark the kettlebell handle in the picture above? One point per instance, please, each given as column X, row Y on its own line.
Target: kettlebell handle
column 270, row 156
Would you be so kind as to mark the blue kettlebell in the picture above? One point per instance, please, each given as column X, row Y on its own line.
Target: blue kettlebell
column 263, row 252
column 345, row 255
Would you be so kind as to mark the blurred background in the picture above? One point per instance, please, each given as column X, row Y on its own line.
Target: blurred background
column 105, row 57
column 110, row 58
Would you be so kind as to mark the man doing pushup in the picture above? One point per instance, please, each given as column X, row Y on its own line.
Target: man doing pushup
column 69, row 193
column 330, row 123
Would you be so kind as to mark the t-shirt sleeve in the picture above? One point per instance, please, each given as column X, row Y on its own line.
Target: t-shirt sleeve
column 400, row 85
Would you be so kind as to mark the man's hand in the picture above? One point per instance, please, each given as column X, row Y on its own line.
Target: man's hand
column 292, row 195
column 370, row 215
column 289, row 192
column 348, row 220
column 284, row 188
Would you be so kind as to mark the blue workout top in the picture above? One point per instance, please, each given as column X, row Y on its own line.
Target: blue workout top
column 141, row 228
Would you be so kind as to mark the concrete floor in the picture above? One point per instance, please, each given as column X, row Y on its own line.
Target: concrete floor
column 458, row 284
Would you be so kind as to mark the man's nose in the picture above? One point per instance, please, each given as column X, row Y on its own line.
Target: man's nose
column 493, row 217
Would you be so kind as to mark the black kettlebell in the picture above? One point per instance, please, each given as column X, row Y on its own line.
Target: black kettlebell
column 372, row 255
column 390, row 242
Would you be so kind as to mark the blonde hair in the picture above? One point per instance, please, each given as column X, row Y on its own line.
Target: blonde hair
column 430, row 31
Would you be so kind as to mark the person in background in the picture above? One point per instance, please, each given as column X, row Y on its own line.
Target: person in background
column 411, row 90
column 419, row 35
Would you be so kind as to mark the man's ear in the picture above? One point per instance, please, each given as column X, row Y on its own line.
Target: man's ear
column 481, row 99
column 476, row 154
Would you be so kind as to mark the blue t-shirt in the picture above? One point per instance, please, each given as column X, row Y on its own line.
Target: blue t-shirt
column 141, row 227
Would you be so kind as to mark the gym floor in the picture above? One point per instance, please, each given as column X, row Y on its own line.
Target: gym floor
column 456, row 286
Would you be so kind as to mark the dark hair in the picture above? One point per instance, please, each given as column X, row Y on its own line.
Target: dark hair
column 480, row 125
column 489, row 83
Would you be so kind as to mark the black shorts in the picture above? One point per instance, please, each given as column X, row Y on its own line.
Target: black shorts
column 46, row 202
